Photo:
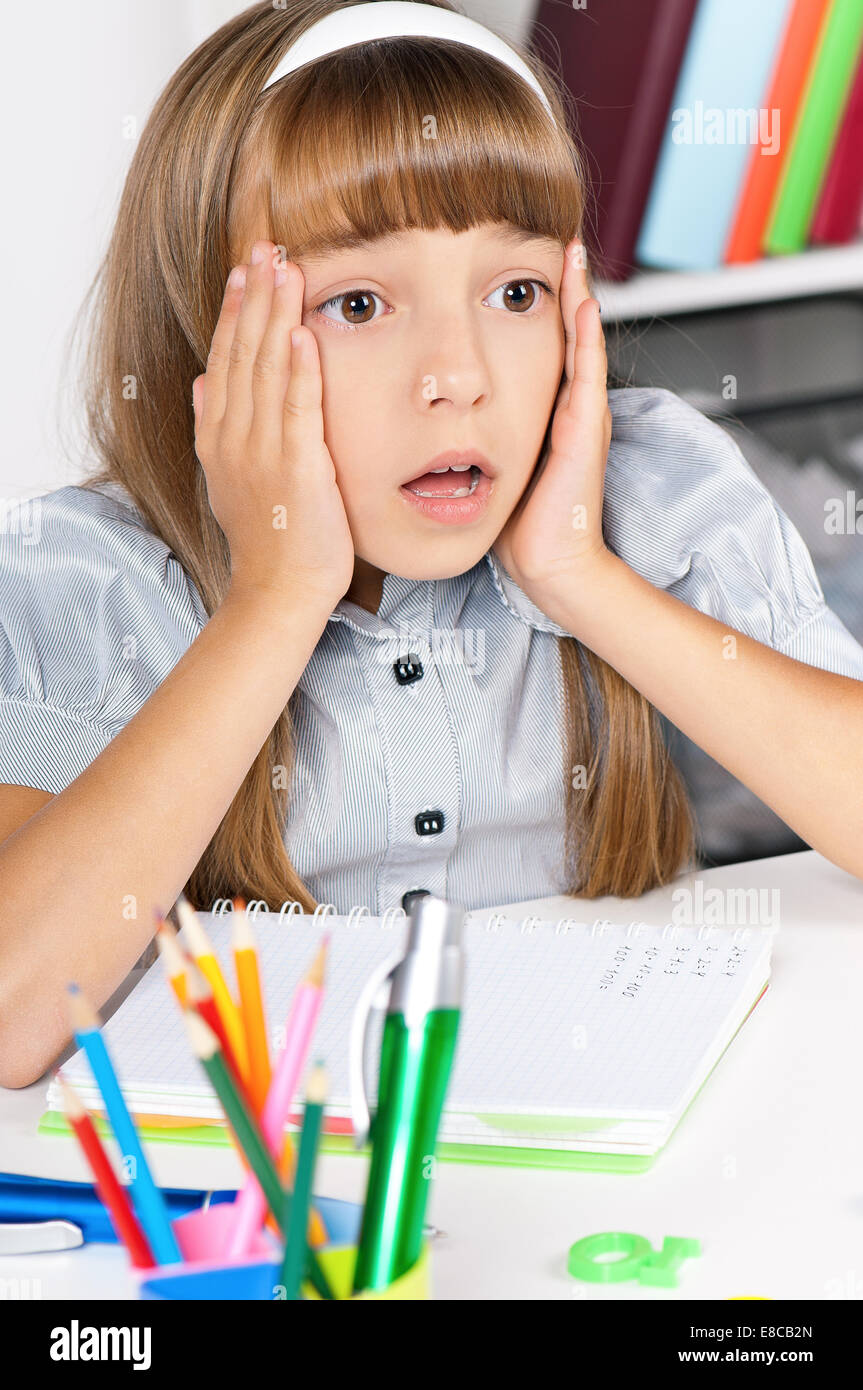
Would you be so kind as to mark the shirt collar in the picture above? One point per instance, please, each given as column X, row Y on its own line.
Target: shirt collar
column 409, row 604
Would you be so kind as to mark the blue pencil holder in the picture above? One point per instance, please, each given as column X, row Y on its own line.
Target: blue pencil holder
column 249, row 1278
column 255, row 1278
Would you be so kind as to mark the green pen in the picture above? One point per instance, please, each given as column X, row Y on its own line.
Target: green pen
column 417, row 1050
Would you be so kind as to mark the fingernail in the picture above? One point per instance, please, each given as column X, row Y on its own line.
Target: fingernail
column 237, row 277
column 257, row 254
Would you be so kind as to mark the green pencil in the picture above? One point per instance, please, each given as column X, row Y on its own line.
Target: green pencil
column 208, row 1050
column 297, row 1217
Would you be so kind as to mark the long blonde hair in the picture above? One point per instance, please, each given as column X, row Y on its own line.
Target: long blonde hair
column 332, row 154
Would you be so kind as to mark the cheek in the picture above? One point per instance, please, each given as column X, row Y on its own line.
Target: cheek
column 534, row 368
column 351, row 391
column 531, row 389
column 355, row 417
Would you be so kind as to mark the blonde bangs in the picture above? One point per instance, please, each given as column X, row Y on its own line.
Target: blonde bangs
column 396, row 135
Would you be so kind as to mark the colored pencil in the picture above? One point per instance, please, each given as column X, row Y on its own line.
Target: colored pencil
column 173, row 957
column 146, row 1198
column 205, row 1045
column 296, row 1243
column 202, row 1001
column 251, row 1004
column 205, row 957
column 250, row 1203
column 108, row 1187
column 198, row 994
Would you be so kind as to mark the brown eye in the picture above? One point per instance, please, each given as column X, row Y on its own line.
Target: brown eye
column 351, row 309
column 520, row 296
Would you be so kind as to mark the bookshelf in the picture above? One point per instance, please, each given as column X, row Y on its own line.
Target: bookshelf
column 660, row 293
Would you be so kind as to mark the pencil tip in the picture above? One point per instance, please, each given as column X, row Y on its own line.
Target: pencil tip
column 315, row 975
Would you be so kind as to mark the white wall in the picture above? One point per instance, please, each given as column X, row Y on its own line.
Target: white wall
column 77, row 74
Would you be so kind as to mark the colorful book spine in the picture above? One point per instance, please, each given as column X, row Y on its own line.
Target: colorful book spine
column 840, row 203
column 620, row 70
column 815, row 133
column 767, row 161
column 717, row 114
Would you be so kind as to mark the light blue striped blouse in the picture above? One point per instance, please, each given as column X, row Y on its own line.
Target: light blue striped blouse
column 452, row 779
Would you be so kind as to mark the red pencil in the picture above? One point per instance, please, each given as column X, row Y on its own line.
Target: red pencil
column 108, row 1187
column 202, row 1001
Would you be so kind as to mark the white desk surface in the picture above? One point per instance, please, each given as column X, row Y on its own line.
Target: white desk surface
column 765, row 1169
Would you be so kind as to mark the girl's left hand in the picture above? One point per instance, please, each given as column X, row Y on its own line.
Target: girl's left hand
column 555, row 532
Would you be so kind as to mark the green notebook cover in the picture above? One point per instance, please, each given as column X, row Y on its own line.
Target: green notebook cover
column 55, row 1122
column 821, row 112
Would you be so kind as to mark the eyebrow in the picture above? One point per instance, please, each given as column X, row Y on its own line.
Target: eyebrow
column 519, row 236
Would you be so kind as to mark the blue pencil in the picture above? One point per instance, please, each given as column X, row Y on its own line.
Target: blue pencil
column 146, row 1197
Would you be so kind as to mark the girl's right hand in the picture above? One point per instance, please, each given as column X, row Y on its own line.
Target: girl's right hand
column 259, row 436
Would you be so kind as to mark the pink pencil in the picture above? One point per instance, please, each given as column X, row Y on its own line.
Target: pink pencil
column 251, row 1206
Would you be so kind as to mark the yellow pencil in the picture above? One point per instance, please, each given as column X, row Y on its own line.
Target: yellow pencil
column 199, row 945
column 251, row 1004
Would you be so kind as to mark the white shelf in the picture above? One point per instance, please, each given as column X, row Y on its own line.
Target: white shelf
column 649, row 293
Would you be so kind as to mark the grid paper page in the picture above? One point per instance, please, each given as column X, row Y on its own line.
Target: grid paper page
column 567, row 1019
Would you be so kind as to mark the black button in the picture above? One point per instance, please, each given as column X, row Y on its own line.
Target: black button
column 414, row 893
column 429, row 822
column 408, row 668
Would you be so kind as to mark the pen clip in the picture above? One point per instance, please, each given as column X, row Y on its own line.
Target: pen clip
column 376, row 984
column 31, row 1237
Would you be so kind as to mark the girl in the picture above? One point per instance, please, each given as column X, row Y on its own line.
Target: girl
column 376, row 586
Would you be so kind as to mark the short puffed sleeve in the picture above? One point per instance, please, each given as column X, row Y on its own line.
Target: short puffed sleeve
column 685, row 509
column 95, row 610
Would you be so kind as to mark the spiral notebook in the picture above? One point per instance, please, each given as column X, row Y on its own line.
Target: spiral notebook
column 581, row 1043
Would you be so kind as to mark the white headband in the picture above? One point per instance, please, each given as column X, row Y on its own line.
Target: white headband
column 396, row 19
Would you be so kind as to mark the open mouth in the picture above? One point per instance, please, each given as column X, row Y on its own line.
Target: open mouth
column 446, row 482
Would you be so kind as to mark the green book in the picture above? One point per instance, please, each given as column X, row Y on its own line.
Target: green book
column 819, row 118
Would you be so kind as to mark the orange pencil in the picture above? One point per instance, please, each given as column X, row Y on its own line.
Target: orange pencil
column 193, row 991
column 173, row 958
column 251, row 1004
column 254, row 1020
column 205, row 957
column 107, row 1185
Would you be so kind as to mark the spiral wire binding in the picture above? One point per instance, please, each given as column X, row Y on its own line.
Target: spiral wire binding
column 294, row 908
column 527, row 926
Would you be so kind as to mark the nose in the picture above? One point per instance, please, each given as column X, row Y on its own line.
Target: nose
column 453, row 365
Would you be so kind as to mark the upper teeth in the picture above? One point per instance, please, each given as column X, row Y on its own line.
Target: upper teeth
column 456, row 468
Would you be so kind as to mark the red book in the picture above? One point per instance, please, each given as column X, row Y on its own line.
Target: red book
column 620, row 61
column 840, row 202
